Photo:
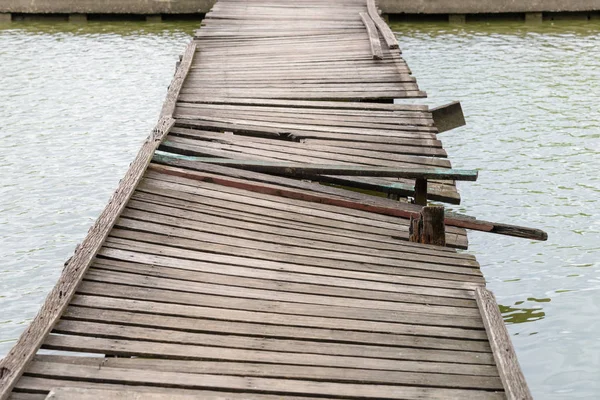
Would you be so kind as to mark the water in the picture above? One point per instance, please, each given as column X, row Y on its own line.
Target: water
column 530, row 96
column 77, row 101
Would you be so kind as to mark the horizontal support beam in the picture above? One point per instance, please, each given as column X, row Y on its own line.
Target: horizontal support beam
column 260, row 183
column 302, row 170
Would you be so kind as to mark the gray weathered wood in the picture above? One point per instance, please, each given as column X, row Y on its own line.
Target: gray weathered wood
column 385, row 30
column 512, row 377
column 175, row 87
column 373, row 36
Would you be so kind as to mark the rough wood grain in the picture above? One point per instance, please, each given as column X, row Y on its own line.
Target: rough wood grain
column 373, row 36
column 512, row 377
column 385, row 30
column 429, row 228
column 14, row 363
column 312, row 170
column 175, row 87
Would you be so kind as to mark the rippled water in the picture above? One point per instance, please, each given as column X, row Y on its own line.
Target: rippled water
column 76, row 102
column 531, row 96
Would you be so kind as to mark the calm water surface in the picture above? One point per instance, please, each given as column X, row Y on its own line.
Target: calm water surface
column 76, row 102
column 531, row 98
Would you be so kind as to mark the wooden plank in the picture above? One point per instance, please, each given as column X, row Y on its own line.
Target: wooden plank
column 248, row 385
column 142, row 298
column 187, row 238
column 296, row 282
column 45, row 385
column 27, row 396
column 12, row 366
column 148, row 349
column 175, row 87
column 373, row 36
column 448, row 116
column 113, row 330
column 512, row 377
column 312, row 170
column 70, row 393
column 384, row 29
column 283, row 371
column 276, row 230
column 294, row 275
column 311, row 104
column 182, row 248
column 139, row 315
column 453, row 219
column 227, row 299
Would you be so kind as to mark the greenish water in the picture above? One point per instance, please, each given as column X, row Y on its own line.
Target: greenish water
column 77, row 101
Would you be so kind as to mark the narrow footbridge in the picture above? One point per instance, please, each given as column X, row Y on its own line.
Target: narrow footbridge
column 264, row 243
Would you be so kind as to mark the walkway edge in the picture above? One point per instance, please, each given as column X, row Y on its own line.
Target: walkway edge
column 511, row 375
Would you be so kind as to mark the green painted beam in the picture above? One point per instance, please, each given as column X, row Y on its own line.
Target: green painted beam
column 297, row 169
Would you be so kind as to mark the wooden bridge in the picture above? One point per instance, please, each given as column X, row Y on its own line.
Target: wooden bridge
column 224, row 268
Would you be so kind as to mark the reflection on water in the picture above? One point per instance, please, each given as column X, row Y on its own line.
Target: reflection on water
column 530, row 96
column 76, row 101
column 517, row 315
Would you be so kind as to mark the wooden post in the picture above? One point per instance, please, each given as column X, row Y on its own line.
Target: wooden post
column 429, row 228
column 421, row 192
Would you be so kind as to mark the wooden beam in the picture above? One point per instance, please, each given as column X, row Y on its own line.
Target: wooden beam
column 373, row 36
column 448, row 116
column 421, row 191
column 385, row 30
column 183, row 68
column 510, row 372
column 307, row 170
column 289, row 188
column 13, row 365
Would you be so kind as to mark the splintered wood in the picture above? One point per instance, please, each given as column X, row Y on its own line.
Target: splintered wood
column 219, row 282
column 317, row 132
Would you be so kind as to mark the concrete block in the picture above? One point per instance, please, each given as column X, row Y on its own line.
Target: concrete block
column 5, row 18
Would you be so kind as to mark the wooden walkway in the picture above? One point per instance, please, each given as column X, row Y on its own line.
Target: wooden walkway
column 215, row 272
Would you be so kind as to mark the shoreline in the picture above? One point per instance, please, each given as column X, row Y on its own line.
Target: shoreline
column 454, row 11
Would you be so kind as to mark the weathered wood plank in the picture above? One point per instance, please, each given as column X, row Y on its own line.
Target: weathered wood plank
column 384, row 29
column 176, row 85
column 312, row 170
column 512, row 377
column 139, row 315
column 373, row 36
column 114, row 330
column 147, row 349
